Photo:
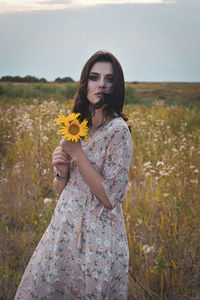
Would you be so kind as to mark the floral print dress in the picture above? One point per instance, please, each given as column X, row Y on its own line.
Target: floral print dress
column 84, row 252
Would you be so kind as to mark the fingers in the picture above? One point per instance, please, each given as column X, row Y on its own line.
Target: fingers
column 60, row 157
column 59, row 150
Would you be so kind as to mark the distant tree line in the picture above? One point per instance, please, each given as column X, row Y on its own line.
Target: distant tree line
column 32, row 79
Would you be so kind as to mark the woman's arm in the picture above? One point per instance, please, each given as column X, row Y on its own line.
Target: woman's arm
column 92, row 177
column 59, row 186
column 90, row 174
column 61, row 163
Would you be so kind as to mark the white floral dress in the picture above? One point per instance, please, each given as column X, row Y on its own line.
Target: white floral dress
column 89, row 262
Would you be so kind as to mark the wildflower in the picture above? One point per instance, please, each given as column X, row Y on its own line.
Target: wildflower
column 196, row 171
column 148, row 249
column 147, row 164
column 45, row 138
column 47, row 200
column 165, row 194
column 160, row 163
column 174, row 149
column 71, row 128
column 194, row 181
column 163, row 173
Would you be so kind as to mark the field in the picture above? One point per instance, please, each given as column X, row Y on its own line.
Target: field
column 162, row 206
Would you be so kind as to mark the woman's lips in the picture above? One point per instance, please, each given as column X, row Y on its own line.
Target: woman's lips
column 99, row 94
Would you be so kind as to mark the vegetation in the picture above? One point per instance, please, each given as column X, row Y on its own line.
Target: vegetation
column 28, row 79
column 161, row 209
column 32, row 79
column 15, row 94
column 142, row 93
column 65, row 79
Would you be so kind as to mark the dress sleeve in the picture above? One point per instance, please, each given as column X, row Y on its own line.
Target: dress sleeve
column 117, row 160
column 116, row 167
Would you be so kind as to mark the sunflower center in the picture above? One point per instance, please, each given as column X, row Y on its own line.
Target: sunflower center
column 74, row 129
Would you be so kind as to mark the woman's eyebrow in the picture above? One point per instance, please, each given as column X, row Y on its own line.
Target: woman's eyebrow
column 96, row 73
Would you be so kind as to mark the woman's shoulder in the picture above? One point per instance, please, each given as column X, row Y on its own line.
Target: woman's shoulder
column 118, row 125
column 117, row 130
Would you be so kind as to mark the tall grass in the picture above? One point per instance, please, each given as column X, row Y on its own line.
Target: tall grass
column 161, row 210
column 15, row 93
column 37, row 90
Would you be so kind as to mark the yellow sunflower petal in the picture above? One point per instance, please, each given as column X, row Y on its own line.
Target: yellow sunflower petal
column 71, row 128
column 72, row 117
column 61, row 119
column 86, row 138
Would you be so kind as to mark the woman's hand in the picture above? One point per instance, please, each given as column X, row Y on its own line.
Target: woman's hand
column 73, row 149
column 61, row 161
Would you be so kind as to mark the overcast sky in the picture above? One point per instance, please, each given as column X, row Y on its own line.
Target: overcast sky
column 154, row 40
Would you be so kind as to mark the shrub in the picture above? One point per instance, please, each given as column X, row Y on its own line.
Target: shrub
column 130, row 95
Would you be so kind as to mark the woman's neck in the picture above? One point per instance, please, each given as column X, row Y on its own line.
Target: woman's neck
column 97, row 119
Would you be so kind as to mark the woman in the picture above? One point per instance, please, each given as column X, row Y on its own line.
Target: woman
column 84, row 252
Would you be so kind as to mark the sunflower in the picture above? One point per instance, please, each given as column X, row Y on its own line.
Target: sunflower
column 71, row 128
column 62, row 119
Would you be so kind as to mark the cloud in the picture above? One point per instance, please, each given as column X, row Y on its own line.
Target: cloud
column 10, row 6
column 55, row 2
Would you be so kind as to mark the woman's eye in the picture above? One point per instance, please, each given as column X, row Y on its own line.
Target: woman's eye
column 110, row 79
column 93, row 77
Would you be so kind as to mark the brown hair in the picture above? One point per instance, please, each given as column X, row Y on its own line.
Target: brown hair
column 115, row 100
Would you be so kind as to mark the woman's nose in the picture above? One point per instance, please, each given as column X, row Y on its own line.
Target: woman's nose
column 101, row 82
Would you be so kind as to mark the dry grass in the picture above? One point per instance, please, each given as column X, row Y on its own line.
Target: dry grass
column 168, row 90
column 162, row 207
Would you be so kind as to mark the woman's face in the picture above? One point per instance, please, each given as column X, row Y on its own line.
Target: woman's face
column 100, row 80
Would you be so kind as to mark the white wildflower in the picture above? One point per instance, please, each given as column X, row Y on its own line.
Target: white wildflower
column 160, row 163
column 147, row 164
column 163, row 173
column 174, row 149
column 45, row 138
column 47, row 200
column 148, row 249
column 194, row 181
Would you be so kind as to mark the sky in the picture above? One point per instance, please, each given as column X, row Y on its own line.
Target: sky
column 154, row 40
